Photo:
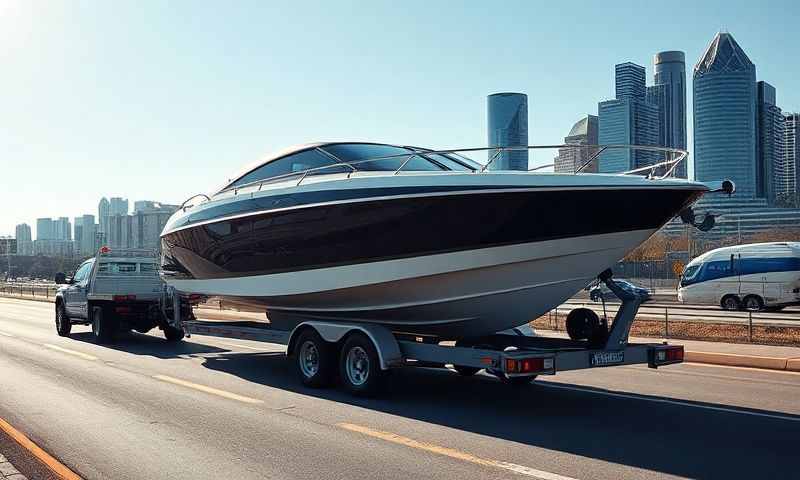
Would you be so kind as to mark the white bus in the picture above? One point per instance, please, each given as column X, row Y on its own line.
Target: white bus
column 752, row 277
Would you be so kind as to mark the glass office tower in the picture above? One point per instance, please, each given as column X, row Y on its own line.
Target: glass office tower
column 669, row 92
column 769, row 144
column 725, row 115
column 507, row 115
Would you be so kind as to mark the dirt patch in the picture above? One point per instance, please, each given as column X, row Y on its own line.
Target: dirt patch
column 687, row 330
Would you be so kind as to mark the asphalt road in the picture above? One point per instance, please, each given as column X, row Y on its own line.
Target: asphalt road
column 217, row 408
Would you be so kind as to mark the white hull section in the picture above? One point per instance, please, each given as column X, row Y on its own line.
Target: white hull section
column 456, row 294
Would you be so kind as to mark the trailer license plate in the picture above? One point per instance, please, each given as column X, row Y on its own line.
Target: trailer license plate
column 599, row 359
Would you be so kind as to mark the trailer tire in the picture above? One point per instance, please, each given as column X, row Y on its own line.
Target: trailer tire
column 314, row 359
column 63, row 323
column 173, row 334
column 753, row 303
column 102, row 325
column 730, row 303
column 360, row 367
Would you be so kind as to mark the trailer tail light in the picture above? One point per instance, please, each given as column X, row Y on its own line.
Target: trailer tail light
column 665, row 355
column 124, row 298
column 530, row 365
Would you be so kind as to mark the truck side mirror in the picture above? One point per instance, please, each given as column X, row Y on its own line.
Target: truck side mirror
column 60, row 278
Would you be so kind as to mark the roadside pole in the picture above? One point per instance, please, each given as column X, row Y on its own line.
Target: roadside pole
column 666, row 322
column 750, row 326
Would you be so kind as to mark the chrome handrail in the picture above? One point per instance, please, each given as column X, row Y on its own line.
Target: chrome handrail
column 183, row 205
column 680, row 155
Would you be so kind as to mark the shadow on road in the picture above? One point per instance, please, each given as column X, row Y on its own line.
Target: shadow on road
column 677, row 439
column 142, row 344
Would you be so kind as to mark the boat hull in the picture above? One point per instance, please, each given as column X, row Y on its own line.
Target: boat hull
column 451, row 263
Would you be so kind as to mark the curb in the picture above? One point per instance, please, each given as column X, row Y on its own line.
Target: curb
column 58, row 468
column 30, row 299
column 749, row 361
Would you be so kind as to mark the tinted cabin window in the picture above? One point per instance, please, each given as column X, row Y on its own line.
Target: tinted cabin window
column 291, row 164
column 357, row 153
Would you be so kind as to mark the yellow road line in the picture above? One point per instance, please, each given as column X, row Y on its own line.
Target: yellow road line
column 207, row 389
column 58, row 468
column 452, row 453
column 82, row 355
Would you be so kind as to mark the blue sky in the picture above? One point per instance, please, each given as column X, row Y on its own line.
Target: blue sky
column 160, row 100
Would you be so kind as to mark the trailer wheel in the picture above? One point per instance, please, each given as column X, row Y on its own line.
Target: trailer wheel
column 63, row 324
column 583, row 324
column 314, row 359
column 730, row 303
column 359, row 365
column 102, row 326
column 173, row 334
column 753, row 303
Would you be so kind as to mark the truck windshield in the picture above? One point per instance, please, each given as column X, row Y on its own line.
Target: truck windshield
column 689, row 274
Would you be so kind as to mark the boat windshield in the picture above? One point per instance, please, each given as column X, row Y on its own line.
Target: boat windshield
column 359, row 156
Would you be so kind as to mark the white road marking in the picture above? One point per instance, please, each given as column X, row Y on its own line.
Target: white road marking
column 82, row 355
column 453, row 453
column 682, row 403
column 207, row 389
column 5, row 334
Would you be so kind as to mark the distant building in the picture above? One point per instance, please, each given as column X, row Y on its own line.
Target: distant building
column 724, row 84
column 89, row 231
column 54, row 248
column 669, row 93
column 62, row 229
column 118, row 206
column 788, row 172
column 103, row 211
column 769, row 142
column 507, row 115
column 45, row 229
column 78, row 234
column 24, row 239
column 629, row 81
column 8, row 246
column 584, row 132
column 119, row 231
column 143, row 228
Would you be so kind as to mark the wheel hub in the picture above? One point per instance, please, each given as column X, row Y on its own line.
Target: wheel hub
column 357, row 366
column 309, row 359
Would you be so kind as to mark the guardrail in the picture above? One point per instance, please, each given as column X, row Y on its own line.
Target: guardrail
column 28, row 290
column 692, row 322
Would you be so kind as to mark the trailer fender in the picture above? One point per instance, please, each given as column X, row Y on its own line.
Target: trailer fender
column 385, row 343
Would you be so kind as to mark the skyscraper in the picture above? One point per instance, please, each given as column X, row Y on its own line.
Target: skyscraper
column 88, row 235
column 24, row 239
column 669, row 93
column 724, row 83
column 118, row 206
column 62, row 229
column 103, row 211
column 507, row 115
column 45, row 229
column 627, row 120
column 769, row 144
column 584, row 132
column 629, row 81
column 788, row 172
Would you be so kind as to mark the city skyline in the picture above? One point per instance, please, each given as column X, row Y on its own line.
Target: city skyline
column 182, row 124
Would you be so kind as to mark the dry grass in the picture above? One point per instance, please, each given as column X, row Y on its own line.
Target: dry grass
column 710, row 332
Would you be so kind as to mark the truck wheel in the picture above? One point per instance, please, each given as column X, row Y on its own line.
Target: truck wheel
column 63, row 324
column 314, row 359
column 173, row 334
column 753, row 303
column 102, row 327
column 730, row 303
column 359, row 366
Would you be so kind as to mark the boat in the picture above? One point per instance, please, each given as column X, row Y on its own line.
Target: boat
column 420, row 241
